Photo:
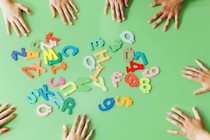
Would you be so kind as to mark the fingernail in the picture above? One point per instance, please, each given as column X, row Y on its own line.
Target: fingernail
column 13, row 108
column 64, row 126
column 7, row 105
column 6, row 130
column 14, row 115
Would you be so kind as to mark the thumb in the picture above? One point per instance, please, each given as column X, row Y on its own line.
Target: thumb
column 196, row 113
column 155, row 3
column 3, row 130
column 52, row 9
column 24, row 8
column 200, row 91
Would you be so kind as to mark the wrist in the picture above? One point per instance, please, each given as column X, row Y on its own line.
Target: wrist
column 3, row 2
column 203, row 136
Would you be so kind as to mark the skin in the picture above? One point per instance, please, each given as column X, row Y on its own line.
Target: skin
column 12, row 13
column 66, row 10
column 170, row 9
column 201, row 76
column 5, row 116
column 191, row 128
column 78, row 130
column 117, row 9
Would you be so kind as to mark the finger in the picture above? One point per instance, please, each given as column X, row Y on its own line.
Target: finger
column 7, row 26
column 177, row 20
column 159, row 20
column 200, row 91
column 193, row 78
column 85, row 128
column 126, row 3
column 53, row 12
column 4, row 107
column 175, row 116
column 180, row 113
column 73, row 5
column 3, row 130
column 7, row 119
column 90, row 134
column 196, row 113
column 75, row 125
column 155, row 3
column 65, row 132
column 176, row 132
column 117, row 9
column 174, row 122
column 24, row 8
column 6, row 112
column 193, row 69
column 113, row 11
column 20, row 27
column 71, row 12
column 81, row 124
column 192, row 73
column 24, row 24
column 106, row 7
column 14, row 26
column 122, row 11
column 204, row 68
column 155, row 16
column 60, row 11
column 66, row 12
column 167, row 23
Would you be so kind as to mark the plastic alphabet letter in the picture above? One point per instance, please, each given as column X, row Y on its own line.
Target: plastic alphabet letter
column 131, row 37
column 96, row 42
column 74, row 50
column 15, row 53
column 98, row 70
column 32, row 96
column 56, row 61
column 108, row 104
column 92, row 60
column 118, row 45
column 125, row 54
column 49, row 55
column 68, row 104
column 44, row 92
column 143, row 58
column 60, row 82
column 56, row 99
column 25, row 70
column 116, row 80
column 152, row 72
column 49, row 37
column 74, row 87
column 35, row 45
column 54, row 69
column 132, row 68
column 50, row 46
column 100, row 84
column 82, row 84
column 38, row 67
column 102, row 57
column 31, row 54
column 48, row 109
column 125, row 101
column 145, row 86
column 131, row 80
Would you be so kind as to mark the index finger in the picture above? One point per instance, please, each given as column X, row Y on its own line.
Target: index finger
column 204, row 68
column 180, row 113
column 75, row 125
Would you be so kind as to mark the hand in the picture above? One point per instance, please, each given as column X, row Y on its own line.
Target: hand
column 117, row 6
column 201, row 76
column 65, row 10
column 170, row 9
column 191, row 128
column 78, row 132
column 5, row 117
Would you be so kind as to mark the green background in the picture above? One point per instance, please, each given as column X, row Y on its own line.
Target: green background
column 169, row 51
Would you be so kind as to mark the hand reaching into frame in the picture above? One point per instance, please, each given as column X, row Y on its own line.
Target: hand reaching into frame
column 191, row 128
column 170, row 9
column 5, row 117
column 12, row 12
column 78, row 130
column 117, row 8
column 65, row 8
column 201, row 76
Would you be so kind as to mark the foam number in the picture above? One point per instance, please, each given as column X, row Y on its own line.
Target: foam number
column 95, row 43
column 101, row 54
column 45, row 92
column 56, row 99
column 143, row 58
column 108, row 104
column 55, row 68
column 49, row 55
column 92, row 64
column 152, row 72
column 60, row 82
column 145, row 86
column 127, row 51
column 35, row 45
column 49, row 46
column 124, row 101
column 69, row 84
column 49, row 37
column 100, row 84
column 48, row 109
column 134, row 66
column 74, row 50
column 98, row 70
column 82, row 84
column 130, row 39
column 55, row 61
column 118, row 45
column 16, row 53
column 32, row 96
column 68, row 104
column 115, row 80
column 131, row 80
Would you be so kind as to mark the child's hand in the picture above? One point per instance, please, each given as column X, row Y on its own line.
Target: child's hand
column 191, row 128
column 78, row 132
column 170, row 9
column 5, row 117
column 117, row 7
column 12, row 15
column 65, row 9
column 201, row 76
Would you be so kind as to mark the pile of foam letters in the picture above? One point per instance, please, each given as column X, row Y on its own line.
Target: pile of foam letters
column 55, row 63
